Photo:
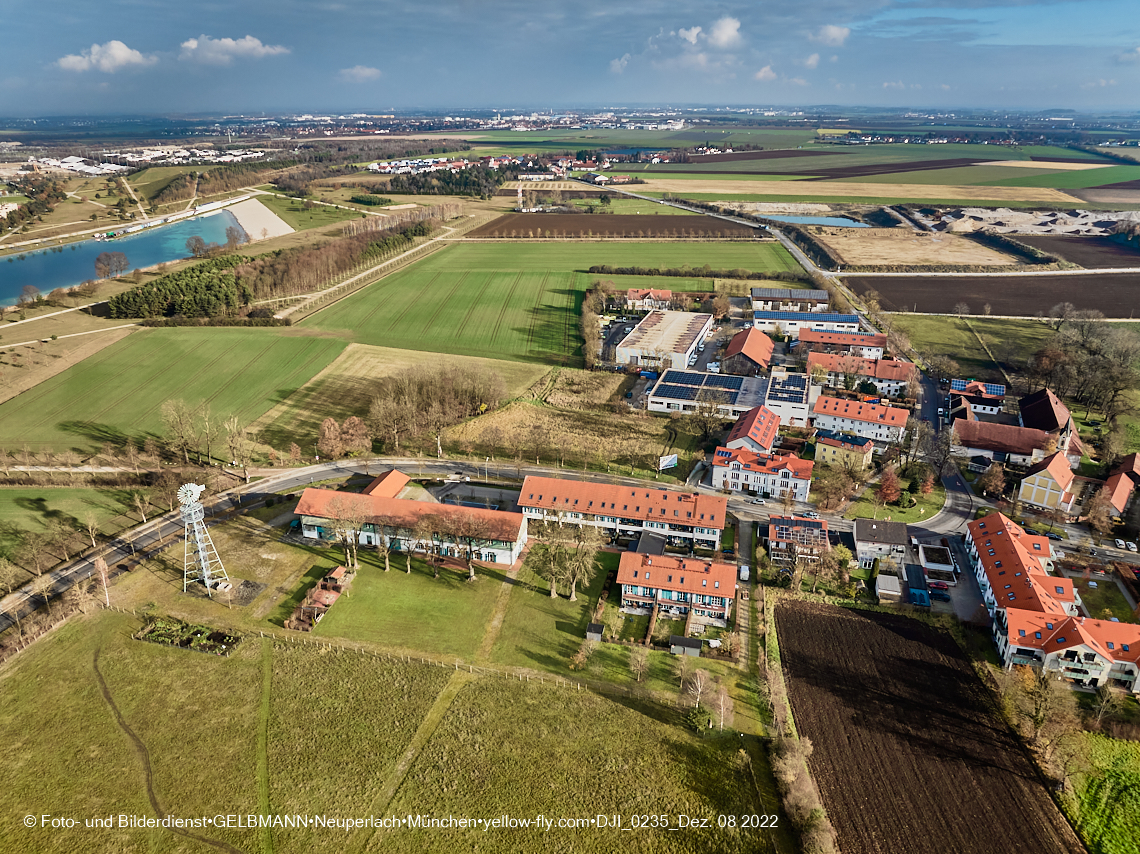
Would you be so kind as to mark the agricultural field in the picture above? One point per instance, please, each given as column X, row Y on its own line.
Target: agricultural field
column 902, row 246
column 644, row 226
column 346, row 388
column 624, row 206
column 1090, row 252
column 511, row 301
column 1011, row 296
column 1107, row 800
column 34, row 508
column 910, row 755
column 117, row 393
column 24, row 368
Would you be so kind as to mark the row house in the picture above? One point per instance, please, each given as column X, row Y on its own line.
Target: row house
column 883, row 425
column 685, row 519
column 890, row 377
column 796, row 322
column 790, row 299
column 861, row 344
column 770, row 476
column 792, row 538
column 1037, row 619
column 677, row 585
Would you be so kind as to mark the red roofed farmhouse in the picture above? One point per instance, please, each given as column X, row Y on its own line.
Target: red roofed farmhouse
column 677, row 585
column 749, row 353
column 494, row 536
column 647, row 299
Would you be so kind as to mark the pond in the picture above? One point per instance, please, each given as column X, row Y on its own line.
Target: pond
column 841, row 221
column 71, row 264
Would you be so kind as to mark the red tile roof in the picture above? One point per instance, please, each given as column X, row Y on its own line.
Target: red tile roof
column 1120, row 487
column 798, row 529
column 1058, row 467
column 872, row 413
column 1006, row 438
column 760, row 424
column 1104, row 636
column 769, row 463
column 666, row 572
column 387, row 485
column 628, row 502
column 880, row 369
column 639, row 294
column 819, row 336
column 1015, row 570
column 854, row 443
column 754, row 344
column 404, row 513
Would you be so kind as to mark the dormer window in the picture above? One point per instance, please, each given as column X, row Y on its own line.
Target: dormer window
column 1111, row 645
column 647, row 575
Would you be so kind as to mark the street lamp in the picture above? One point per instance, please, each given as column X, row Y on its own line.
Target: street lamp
column 487, row 468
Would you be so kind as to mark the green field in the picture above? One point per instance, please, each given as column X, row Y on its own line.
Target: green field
column 621, row 205
column 511, row 300
column 33, row 508
column 1009, row 340
column 294, row 213
column 1074, row 180
column 806, row 196
column 442, row 616
column 93, row 718
column 118, row 392
column 1108, row 800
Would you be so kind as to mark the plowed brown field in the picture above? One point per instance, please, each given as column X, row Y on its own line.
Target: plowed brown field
column 909, row 757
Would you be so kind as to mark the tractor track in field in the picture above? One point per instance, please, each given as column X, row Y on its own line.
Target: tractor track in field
column 507, row 302
column 474, row 304
column 143, row 754
column 443, row 303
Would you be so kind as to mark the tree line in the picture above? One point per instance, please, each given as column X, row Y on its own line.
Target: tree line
column 479, row 181
column 209, row 289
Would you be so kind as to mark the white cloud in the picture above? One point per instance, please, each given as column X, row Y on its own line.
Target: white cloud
column 690, row 35
column 725, row 33
column 1098, row 84
column 831, row 35
column 213, row 51
column 945, row 87
column 359, row 73
column 617, row 66
column 104, row 57
column 894, row 85
column 812, row 61
column 765, row 74
column 798, row 81
column 1129, row 56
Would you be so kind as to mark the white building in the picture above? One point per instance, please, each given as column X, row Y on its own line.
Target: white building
column 762, row 474
column 664, row 339
column 881, row 424
column 792, row 322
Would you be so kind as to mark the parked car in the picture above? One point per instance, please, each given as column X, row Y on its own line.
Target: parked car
column 938, row 585
column 811, row 514
column 939, row 595
column 1131, row 546
column 757, row 501
column 1053, row 536
column 728, row 550
column 1120, row 544
column 748, row 324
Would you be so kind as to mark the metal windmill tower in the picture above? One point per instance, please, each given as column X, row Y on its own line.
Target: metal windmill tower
column 201, row 562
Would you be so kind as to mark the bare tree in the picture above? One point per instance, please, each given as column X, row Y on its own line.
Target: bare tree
column 329, row 440
column 1099, row 510
column 178, row 419
column 208, row 431
column 349, row 512
column 101, row 571
column 638, row 661
column 140, row 504
column 697, row 685
column 722, row 702
column 961, row 309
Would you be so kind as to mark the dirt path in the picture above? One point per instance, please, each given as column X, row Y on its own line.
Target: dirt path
column 423, row 734
column 148, row 771
column 492, row 633
column 263, row 740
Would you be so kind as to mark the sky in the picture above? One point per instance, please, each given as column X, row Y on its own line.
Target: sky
column 102, row 57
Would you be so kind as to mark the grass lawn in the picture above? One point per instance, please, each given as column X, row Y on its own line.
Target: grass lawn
column 864, row 508
column 510, row 300
column 1106, row 596
column 294, row 213
column 621, row 205
column 1008, row 340
column 117, row 393
column 33, row 508
column 1108, row 799
column 444, row 616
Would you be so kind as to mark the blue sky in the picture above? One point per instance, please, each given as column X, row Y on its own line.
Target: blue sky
column 163, row 56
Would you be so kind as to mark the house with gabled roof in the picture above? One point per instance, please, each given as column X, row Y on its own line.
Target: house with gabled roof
column 1003, row 443
column 889, row 376
column 1049, row 484
column 1122, row 482
column 1037, row 618
column 687, row 519
column 647, row 299
column 862, row 344
column 749, row 353
column 843, row 450
column 677, row 585
column 1044, row 411
column 881, row 424
column 768, row 475
column 756, row 430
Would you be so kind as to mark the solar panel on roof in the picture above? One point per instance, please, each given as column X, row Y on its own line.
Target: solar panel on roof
column 722, row 381
column 991, row 388
column 683, row 378
column 676, row 392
